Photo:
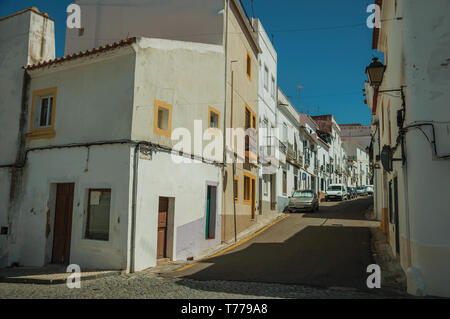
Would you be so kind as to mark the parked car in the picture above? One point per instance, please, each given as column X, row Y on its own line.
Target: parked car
column 336, row 191
column 369, row 190
column 361, row 190
column 303, row 200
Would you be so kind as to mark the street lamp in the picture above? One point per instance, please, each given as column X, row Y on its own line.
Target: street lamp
column 375, row 72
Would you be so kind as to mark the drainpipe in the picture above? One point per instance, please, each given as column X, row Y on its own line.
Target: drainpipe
column 225, row 115
column 133, row 207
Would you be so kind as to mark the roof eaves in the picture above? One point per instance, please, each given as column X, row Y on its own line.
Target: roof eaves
column 80, row 54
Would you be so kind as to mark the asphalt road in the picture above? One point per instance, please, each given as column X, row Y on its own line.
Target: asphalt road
column 330, row 248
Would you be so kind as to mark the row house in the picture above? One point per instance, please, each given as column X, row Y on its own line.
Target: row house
column 290, row 149
column 358, row 167
column 267, row 118
column 329, row 131
column 91, row 175
column 408, row 92
column 310, row 145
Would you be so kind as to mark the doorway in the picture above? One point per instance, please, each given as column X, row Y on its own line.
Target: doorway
column 211, row 212
column 163, row 212
column 63, row 223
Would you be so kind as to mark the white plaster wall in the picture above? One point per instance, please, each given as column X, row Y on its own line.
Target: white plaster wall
column 94, row 97
column 97, row 170
column 24, row 38
column 267, row 104
column 187, row 184
column 189, row 76
column 107, row 21
column 417, row 55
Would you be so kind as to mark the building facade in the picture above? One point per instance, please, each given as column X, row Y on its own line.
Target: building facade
column 94, row 129
column 411, row 149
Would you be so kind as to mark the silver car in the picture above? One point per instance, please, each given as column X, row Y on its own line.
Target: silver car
column 303, row 200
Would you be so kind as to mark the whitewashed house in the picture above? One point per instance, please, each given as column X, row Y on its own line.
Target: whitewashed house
column 309, row 140
column 358, row 162
column 267, row 113
column 411, row 144
column 88, row 174
column 330, row 132
column 288, row 175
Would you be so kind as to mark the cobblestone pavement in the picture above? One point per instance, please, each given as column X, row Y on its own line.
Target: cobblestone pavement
column 149, row 285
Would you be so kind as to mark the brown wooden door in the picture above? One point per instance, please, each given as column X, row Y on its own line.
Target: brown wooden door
column 162, row 227
column 63, row 224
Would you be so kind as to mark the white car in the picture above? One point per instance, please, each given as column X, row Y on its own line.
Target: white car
column 369, row 189
column 336, row 191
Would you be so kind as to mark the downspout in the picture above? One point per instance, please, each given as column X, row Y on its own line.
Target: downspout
column 225, row 116
column 133, row 207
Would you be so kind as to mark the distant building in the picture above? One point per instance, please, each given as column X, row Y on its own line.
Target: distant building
column 357, row 133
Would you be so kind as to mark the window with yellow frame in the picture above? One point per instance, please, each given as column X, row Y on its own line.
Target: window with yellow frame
column 248, row 195
column 42, row 117
column 213, row 120
column 162, row 123
column 248, row 68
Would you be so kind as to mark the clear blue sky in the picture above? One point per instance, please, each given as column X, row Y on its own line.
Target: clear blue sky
column 315, row 49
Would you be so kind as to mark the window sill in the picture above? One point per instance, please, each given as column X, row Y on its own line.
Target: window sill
column 41, row 134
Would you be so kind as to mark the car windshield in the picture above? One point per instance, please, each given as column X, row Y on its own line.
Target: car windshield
column 302, row 194
column 361, row 188
column 335, row 188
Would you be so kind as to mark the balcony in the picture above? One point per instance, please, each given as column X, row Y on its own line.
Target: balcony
column 307, row 162
column 299, row 160
column 282, row 147
column 290, row 155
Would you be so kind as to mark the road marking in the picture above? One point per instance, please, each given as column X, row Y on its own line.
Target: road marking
column 235, row 245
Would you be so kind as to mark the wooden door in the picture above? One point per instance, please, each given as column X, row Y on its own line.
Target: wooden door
column 273, row 192
column 162, row 227
column 63, row 224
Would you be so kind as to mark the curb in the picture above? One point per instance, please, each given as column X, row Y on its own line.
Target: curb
column 58, row 281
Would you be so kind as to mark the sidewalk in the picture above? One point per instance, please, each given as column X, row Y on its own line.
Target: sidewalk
column 48, row 275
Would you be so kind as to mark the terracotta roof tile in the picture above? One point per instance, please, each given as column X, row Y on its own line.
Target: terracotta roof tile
column 80, row 54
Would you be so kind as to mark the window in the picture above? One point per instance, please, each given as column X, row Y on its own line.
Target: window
column 213, row 119
column 273, row 88
column 250, row 138
column 246, row 190
column 163, row 118
column 266, row 78
column 99, row 204
column 236, row 188
column 249, row 66
column 42, row 119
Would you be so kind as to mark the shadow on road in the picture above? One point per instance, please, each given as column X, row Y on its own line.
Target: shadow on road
column 316, row 256
column 352, row 209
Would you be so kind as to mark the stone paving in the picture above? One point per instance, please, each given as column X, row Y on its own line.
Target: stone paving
column 148, row 284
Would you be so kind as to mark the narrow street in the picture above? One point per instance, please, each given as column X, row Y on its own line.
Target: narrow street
column 306, row 255
column 330, row 248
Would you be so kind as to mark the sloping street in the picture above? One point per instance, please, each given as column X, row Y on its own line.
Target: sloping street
column 330, row 248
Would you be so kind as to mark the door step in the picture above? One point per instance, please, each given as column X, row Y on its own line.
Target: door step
column 162, row 261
